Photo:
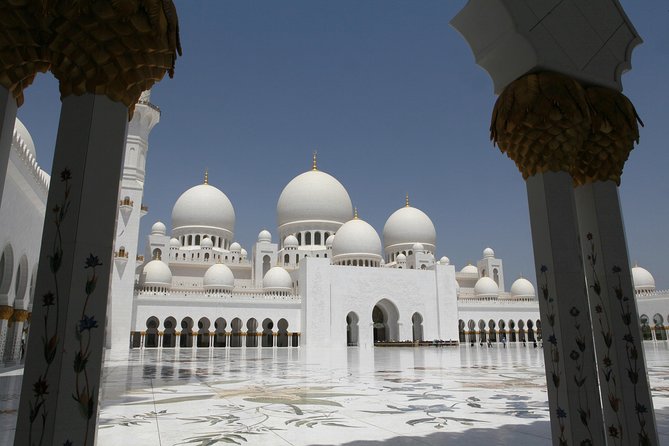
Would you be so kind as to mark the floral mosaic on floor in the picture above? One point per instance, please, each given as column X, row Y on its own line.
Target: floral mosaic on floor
column 304, row 397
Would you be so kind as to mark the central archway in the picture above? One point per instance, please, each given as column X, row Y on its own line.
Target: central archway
column 385, row 317
column 352, row 329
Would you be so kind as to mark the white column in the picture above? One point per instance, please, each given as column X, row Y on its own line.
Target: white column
column 14, row 347
column 5, row 314
column 73, row 276
column 177, row 340
column 573, row 393
column 7, row 119
column 623, row 377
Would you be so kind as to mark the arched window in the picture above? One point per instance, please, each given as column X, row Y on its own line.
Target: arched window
column 286, row 259
column 317, row 238
column 157, row 254
column 183, row 239
column 265, row 265
column 213, row 240
column 299, row 238
column 190, row 240
column 495, row 273
column 307, row 238
column 206, row 256
column 297, row 259
column 197, row 240
column 325, row 255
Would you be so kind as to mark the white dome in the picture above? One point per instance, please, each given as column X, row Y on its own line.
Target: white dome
column 277, row 279
column 156, row 273
column 486, row 287
column 243, row 253
column 488, row 252
column 407, row 226
column 444, row 260
column 401, row 258
column 22, row 136
column 357, row 238
column 175, row 243
column 203, row 206
column 235, row 247
column 418, row 247
column 290, row 242
column 643, row 279
column 329, row 241
column 470, row 269
column 264, row 236
column 206, row 243
column 522, row 288
column 314, row 196
column 158, row 228
column 218, row 276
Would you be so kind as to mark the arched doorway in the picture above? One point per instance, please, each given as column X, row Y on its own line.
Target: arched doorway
column 267, row 335
column 169, row 337
column 282, row 335
column 492, row 335
column 265, row 265
column 521, row 330
column 482, row 333
column 203, row 332
column 502, row 331
column 186, row 338
column 385, row 317
column 251, row 329
column 660, row 333
column 417, row 327
column 6, row 268
column 352, row 329
column 512, row 331
column 236, row 335
column 471, row 326
column 645, row 328
column 530, row 331
column 219, row 337
column 151, row 336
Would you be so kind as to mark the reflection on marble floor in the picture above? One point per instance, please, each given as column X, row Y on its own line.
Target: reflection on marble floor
column 356, row 397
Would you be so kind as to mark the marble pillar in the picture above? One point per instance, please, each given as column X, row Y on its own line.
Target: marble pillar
column 7, row 119
column 571, row 373
column 623, row 377
column 59, row 397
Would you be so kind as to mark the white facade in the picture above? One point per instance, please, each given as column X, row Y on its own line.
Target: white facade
column 21, row 222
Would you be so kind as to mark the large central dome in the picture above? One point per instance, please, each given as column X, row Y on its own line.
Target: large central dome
column 203, row 206
column 314, row 196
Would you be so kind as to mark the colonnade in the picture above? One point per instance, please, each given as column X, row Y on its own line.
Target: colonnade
column 214, row 340
column 14, row 324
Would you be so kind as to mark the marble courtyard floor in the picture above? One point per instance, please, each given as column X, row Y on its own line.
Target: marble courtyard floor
column 353, row 397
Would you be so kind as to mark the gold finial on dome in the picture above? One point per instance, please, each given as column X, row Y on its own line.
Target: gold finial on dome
column 206, row 176
column 406, row 202
column 355, row 213
column 314, row 165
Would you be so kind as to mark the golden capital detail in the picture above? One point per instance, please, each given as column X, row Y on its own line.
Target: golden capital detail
column 549, row 122
column 6, row 312
column 20, row 315
column 117, row 49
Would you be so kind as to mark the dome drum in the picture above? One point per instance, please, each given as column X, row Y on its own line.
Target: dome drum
column 357, row 259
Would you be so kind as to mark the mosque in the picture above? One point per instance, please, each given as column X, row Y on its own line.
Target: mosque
column 326, row 278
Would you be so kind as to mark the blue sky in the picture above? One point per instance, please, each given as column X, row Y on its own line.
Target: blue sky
column 390, row 96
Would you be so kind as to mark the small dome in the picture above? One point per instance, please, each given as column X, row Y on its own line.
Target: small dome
column 401, row 258
column 175, row 243
column 522, row 288
column 235, row 247
column 206, row 243
column 203, row 206
column 329, row 241
column 470, row 269
column 409, row 225
column 357, row 238
column 156, row 273
column 418, row 247
column 486, row 287
column 158, row 228
column 290, row 242
column 218, row 276
column 244, row 253
column 314, row 196
column 264, row 236
column 277, row 279
column 444, row 260
column 22, row 136
column 488, row 252
column 643, row 280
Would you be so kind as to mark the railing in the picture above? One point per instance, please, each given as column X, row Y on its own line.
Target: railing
column 126, row 202
column 121, row 253
column 245, row 296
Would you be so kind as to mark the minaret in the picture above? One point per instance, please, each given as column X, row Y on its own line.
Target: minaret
column 131, row 210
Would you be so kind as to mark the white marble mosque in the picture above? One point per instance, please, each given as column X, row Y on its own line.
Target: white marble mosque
column 325, row 279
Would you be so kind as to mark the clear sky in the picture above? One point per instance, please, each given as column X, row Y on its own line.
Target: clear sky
column 390, row 96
